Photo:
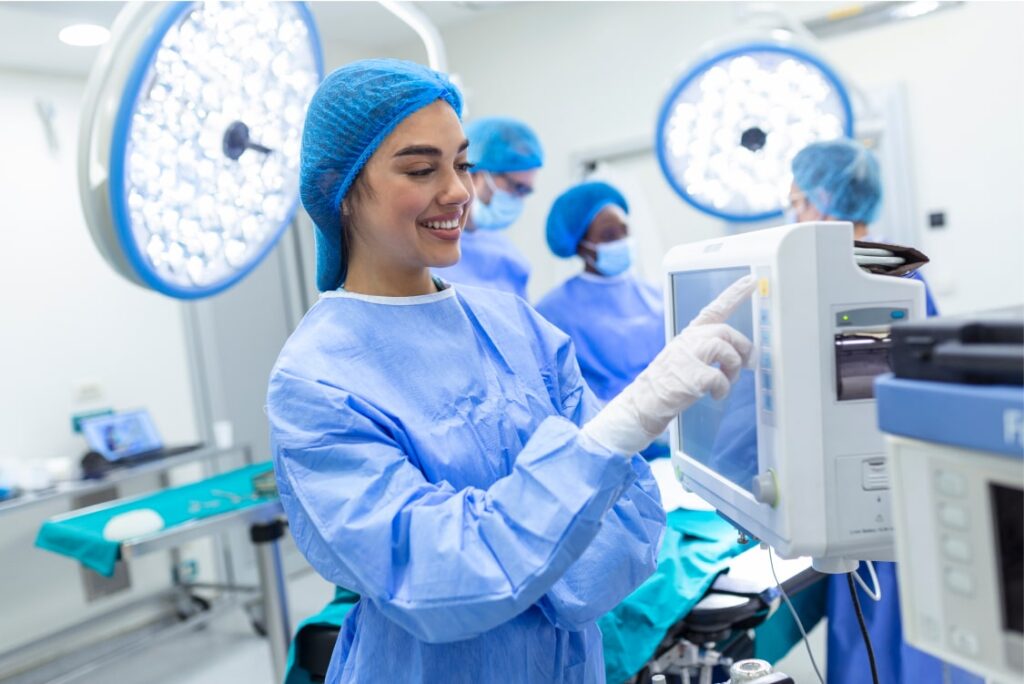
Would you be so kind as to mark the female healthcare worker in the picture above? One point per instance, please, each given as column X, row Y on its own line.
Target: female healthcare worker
column 506, row 155
column 436, row 449
column 615, row 321
column 840, row 180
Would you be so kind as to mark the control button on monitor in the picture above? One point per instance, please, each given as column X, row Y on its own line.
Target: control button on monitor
column 874, row 475
column 959, row 581
column 956, row 549
column 897, row 314
column 764, row 488
column 766, row 379
column 950, row 483
column 955, row 517
column 964, row 641
column 766, row 401
column 766, row 359
column 762, row 287
column 765, row 316
column 766, row 337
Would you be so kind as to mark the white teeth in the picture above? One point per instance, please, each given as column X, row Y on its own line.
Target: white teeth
column 442, row 225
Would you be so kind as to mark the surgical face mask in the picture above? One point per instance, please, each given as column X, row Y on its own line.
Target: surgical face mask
column 613, row 258
column 502, row 211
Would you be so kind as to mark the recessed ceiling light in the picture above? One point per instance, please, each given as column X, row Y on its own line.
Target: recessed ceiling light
column 84, row 35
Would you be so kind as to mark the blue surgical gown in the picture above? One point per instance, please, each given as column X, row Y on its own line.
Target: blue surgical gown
column 429, row 457
column 616, row 324
column 489, row 259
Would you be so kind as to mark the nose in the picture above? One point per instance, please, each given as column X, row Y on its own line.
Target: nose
column 457, row 191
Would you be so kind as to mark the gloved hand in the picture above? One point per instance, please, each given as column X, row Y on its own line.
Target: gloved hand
column 677, row 377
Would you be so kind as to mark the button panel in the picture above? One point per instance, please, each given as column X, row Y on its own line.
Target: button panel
column 959, row 581
column 874, row 475
column 949, row 483
column 956, row 549
column 964, row 641
column 954, row 517
column 765, row 339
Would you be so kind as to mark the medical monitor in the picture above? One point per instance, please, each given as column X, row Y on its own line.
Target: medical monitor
column 956, row 453
column 122, row 436
column 792, row 456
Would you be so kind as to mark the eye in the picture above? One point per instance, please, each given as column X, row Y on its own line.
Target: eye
column 420, row 173
column 464, row 167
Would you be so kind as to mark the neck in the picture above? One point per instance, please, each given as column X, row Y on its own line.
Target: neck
column 387, row 280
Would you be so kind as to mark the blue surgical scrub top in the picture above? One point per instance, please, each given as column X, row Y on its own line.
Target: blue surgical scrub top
column 429, row 458
column 489, row 259
column 617, row 325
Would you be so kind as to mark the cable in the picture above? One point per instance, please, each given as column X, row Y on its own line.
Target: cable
column 863, row 627
column 876, row 594
column 796, row 618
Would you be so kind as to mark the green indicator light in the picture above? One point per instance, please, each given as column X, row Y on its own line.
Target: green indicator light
column 846, row 318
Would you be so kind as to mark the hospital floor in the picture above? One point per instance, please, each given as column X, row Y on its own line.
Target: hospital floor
column 227, row 650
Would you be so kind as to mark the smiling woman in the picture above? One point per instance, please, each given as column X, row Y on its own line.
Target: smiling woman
column 415, row 208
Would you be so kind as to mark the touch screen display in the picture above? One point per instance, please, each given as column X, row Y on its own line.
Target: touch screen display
column 721, row 435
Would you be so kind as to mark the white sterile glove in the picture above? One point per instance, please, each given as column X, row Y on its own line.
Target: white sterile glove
column 677, row 377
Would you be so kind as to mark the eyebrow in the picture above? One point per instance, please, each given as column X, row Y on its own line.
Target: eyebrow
column 426, row 150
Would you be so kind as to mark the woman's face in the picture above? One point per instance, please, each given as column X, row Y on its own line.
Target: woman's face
column 415, row 196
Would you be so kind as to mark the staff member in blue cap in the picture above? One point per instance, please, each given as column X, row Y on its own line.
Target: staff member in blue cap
column 506, row 156
column 436, row 449
column 615, row 320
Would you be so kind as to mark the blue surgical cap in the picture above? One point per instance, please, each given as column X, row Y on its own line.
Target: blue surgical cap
column 501, row 145
column 840, row 178
column 573, row 211
column 353, row 110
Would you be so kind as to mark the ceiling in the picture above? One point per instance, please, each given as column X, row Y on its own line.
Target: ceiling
column 28, row 30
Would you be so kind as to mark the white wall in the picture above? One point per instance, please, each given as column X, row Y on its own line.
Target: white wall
column 65, row 318
column 588, row 74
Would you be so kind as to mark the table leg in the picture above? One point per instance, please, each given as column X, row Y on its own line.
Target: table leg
column 265, row 538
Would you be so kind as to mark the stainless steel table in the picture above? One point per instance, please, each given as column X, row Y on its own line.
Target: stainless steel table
column 267, row 527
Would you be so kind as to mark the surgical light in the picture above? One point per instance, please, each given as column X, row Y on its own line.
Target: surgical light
column 190, row 136
column 84, row 35
column 730, row 127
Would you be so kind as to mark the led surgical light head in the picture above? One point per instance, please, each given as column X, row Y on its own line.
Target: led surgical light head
column 190, row 137
column 730, row 127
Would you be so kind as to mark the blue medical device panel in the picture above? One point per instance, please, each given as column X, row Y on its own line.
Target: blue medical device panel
column 721, row 435
column 122, row 435
column 982, row 417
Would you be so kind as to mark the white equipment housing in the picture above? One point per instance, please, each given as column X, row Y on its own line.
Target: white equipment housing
column 951, row 593
column 793, row 456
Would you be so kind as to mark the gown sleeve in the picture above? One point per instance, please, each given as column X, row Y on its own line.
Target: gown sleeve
column 625, row 551
column 444, row 564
